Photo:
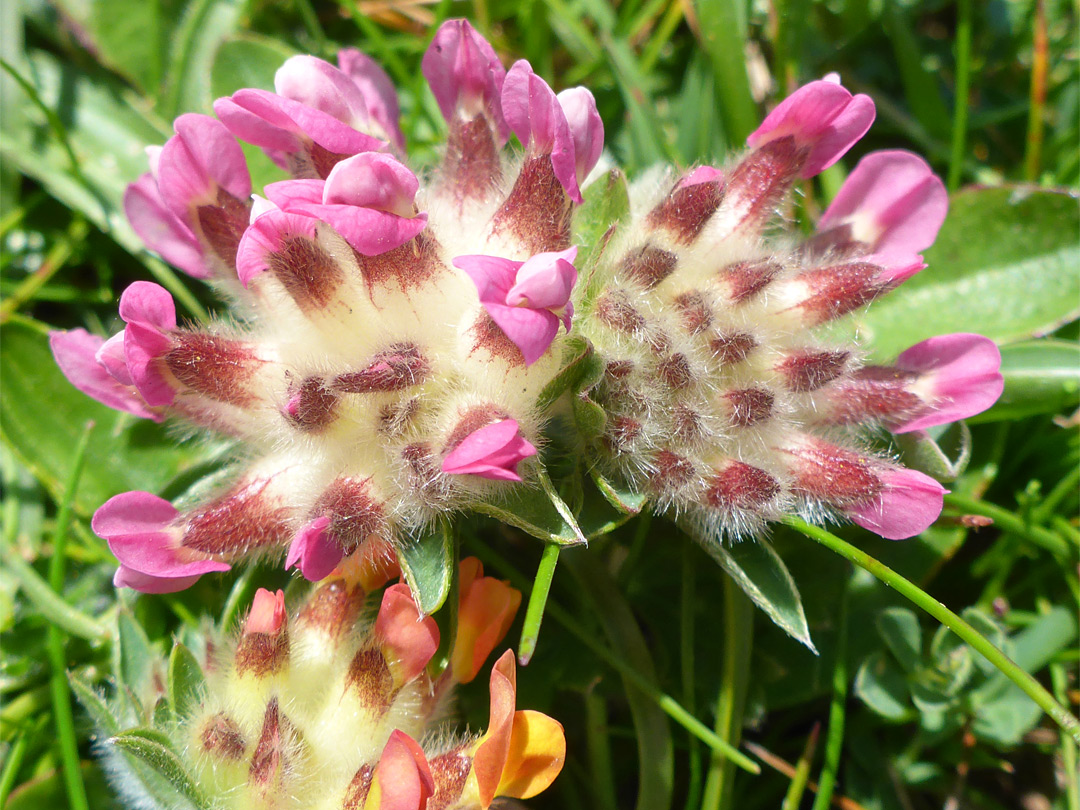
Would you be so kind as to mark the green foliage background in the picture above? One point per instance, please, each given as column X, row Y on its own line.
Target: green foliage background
column 987, row 91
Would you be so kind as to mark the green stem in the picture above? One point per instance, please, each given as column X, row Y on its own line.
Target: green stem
column 687, row 604
column 723, row 33
column 15, row 756
column 834, row 740
column 534, row 613
column 1004, row 519
column 1059, row 680
column 965, row 631
column 58, row 682
column 795, row 791
column 1040, row 61
column 735, row 678
column 601, row 774
column 1065, row 488
column 960, row 110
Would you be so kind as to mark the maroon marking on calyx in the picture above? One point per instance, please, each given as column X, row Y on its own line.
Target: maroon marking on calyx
column 489, row 337
column 395, row 418
column 732, row 348
column 614, row 309
column 686, row 423
column 471, row 421
column 537, row 210
column 749, row 406
column 740, row 486
column 396, row 368
column 825, row 471
column 694, row 312
column 216, row 367
column 323, row 160
column 747, row 279
column 242, row 519
column 353, row 511
column 313, row 407
column 357, row 792
column 370, row 680
column 221, row 735
column 268, row 760
column 686, row 210
column 308, row 273
column 411, row 265
column 671, row 472
column 450, row 772
column 876, row 392
column 471, row 164
column 649, row 265
column 763, row 177
column 619, row 369
column 333, row 608
column 808, row 371
column 223, row 224
column 262, row 654
column 621, row 433
column 839, row 289
column 675, row 371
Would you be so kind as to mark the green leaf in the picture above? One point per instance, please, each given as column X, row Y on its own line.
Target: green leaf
column 606, row 204
column 428, row 567
column 132, row 37
column 541, row 513
column 899, row 628
column 621, row 497
column 576, row 352
column 1041, row 376
column 95, row 705
column 1004, row 265
column 942, row 452
column 155, row 749
column 760, row 572
column 881, row 685
column 247, row 60
column 186, row 682
column 134, row 657
column 205, row 25
column 43, row 414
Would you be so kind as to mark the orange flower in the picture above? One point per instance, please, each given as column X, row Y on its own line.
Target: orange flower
column 486, row 610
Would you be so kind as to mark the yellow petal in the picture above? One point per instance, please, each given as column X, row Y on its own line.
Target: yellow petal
column 536, row 756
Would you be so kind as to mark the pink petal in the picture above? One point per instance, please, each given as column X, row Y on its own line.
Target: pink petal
column 964, row 374
column 545, row 281
column 316, row 551
column 160, row 228
column 893, row 196
column 907, row 505
column 201, row 157
column 536, row 117
column 133, row 513
column 145, row 583
column 368, row 231
column 464, row 72
column 411, row 637
column 149, row 311
column 373, row 180
column 378, row 91
column 76, row 355
column 265, row 236
column 702, row 174
column 267, row 614
column 586, row 128
column 821, row 116
column 491, row 452
column 403, row 775
column 286, row 193
column 149, row 304
column 111, row 357
column 318, row 84
column 896, row 268
column 493, row 276
column 531, row 330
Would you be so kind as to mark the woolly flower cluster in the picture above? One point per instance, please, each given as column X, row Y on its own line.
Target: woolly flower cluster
column 327, row 709
column 398, row 346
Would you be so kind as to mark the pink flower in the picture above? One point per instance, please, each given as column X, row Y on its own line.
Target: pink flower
column 380, row 97
column 892, row 202
column 140, row 529
column 566, row 127
column 267, row 615
column 526, row 299
column 906, row 505
column 959, row 376
column 824, row 119
column 465, row 75
column 314, row 550
column 150, row 315
column 162, row 230
column 491, row 452
column 89, row 363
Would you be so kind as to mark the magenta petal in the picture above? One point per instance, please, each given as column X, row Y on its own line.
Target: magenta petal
column 264, row 237
column 531, row 330
column 844, row 131
column 492, row 452
column 464, row 71
column 110, row 355
column 316, row 83
column 253, row 116
column 160, row 228
column 378, row 91
column 545, row 281
column 132, row 513
column 197, row 160
column 372, row 180
column 493, row 276
column 907, row 505
column 147, row 303
column 145, row 583
column 287, row 193
column 315, row 550
column 896, row 268
column 586, row 128
column 896, row 197
column 963, row 372
column 142, row 347
column 76, row 355
column 368, row 231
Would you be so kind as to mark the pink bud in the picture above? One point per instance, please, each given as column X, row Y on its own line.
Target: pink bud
column 959, row 376
column 162, row 230
column 586, row 127
column 906, row 505
column 150, row 315
column 77, row 353
column 314, row 550
column 892, row 202
column 493, row 451
column 198, row 161
column 378, row 91
column 285, row 243
column 824, row 119
column 267, row 614
column 412, row 638
column 465, row 75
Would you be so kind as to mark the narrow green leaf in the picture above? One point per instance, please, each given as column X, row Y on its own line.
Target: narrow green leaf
column 606, row 204
column 899, row 628
column 427, row 564
column 132, row 37
column 205, row 25
column 534, row 512
column 760, row 572
column 154, row 748
column 95, row 705
column 135, row 657
column 621, row 497
column 575, row 354
column 186, row 682
column 1019, row 283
